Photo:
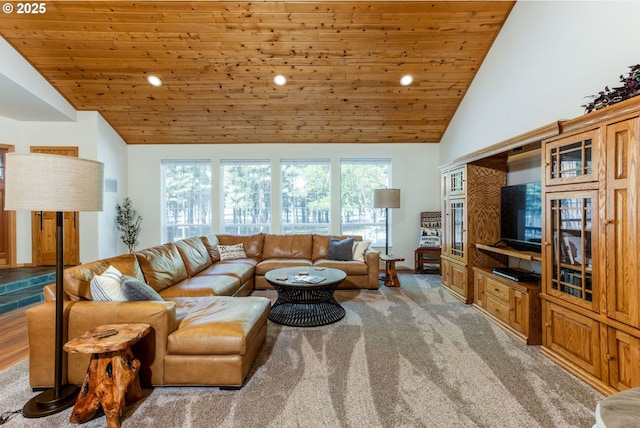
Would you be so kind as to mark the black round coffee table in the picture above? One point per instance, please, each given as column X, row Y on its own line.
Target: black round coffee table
column 305, row 304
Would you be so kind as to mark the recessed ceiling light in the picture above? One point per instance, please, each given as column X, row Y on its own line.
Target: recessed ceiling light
column 406, row 80
column 280, row 80
column 154, row 80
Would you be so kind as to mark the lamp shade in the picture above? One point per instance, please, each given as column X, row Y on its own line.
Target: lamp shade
column 386, row 198
column 44, row 182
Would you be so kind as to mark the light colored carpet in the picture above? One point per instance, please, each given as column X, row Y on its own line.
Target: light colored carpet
column 402, row 357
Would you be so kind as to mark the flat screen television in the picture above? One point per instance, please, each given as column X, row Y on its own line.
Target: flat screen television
column 521, row 216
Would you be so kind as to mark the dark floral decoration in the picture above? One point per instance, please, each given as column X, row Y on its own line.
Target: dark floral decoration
column 630, row 88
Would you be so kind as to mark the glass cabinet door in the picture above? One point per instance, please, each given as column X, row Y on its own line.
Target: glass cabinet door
column 572, row 159
column 457, row 228
column 572, row 238
column 456, row 183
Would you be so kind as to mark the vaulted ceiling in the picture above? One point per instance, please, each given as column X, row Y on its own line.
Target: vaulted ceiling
column 343, row 61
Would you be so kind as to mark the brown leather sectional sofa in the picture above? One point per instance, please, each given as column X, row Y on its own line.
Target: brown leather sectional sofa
column 208, row 330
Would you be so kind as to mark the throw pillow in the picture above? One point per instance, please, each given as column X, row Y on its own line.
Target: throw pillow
column 106, row 287
column 359, row 248
column 134, row 289
column 430, row 237
column 231, row 252
column 340, row 250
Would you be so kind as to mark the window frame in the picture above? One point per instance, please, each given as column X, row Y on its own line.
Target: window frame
column 373, row 230
column 245, row 228
column 290, row 228
column 204, row 228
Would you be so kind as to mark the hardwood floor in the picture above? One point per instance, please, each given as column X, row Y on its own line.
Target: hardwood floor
column 13, row 338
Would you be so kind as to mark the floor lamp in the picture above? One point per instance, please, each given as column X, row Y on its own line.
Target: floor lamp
column 43, row 182
column 386, row 198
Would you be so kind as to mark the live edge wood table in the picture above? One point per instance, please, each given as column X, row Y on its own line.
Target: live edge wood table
column 112, row 378
column 301, row 304
column 391, row 277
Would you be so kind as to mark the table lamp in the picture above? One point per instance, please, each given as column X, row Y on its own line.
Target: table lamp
column 386, row 198
column 44, row 182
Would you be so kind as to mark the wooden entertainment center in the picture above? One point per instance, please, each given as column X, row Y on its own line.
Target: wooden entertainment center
column 585, row 311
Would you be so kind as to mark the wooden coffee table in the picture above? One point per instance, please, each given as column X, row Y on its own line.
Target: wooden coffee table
column 305, row 304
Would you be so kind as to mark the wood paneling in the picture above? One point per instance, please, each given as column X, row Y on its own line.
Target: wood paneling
column 217, row 59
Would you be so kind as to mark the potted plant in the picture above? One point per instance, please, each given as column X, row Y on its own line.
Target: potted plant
column 128, row 221
column 630, row 88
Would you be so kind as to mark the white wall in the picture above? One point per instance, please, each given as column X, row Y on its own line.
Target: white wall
column 88, row 133
column 548, row 57
column 414, row 171
column 112, row 151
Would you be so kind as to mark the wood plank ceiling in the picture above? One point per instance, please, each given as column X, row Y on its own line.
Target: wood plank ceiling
column 217, row 59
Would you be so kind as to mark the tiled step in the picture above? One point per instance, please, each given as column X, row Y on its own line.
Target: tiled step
column 24, row 292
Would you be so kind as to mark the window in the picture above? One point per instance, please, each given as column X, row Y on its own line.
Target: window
column 186, row 205
column 246, row 196
column 358, row 179
column 305, row 196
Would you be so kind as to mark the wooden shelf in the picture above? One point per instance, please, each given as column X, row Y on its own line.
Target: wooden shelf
column 507, row 251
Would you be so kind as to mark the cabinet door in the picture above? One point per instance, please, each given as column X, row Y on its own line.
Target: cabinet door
column 456, row 229
column 519, row 315
column 623, row 357
column 622, row 224
column 574, row 337
column 446, row 273
column 570, row 270
column 572, row 159
column 479, row 290
column 458, row 280
column 457, row 179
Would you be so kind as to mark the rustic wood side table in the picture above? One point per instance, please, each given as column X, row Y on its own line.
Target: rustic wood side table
column 112, row 376
column 391, row 277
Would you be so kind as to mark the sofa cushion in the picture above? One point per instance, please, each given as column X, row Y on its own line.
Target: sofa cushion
column 340, row 249
column 194, row 254
column 202, row 285
column 162, row 266
column 77, row 279
column 243, row 271
column 287, row 246
column 321, row 244
column 212, row 242
column 135, row 290
column 348, row 267
column 270, row 264
column 218, row 325
column 107, row 287
column 232, row 252
column 253, row 244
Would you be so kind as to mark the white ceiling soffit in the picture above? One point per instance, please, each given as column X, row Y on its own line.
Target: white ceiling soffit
column 27, row 96
column 19, row 104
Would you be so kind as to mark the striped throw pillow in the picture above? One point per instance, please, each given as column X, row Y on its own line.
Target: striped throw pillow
column 106, row 287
